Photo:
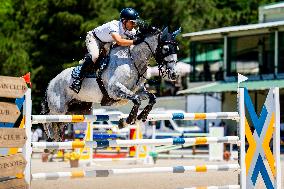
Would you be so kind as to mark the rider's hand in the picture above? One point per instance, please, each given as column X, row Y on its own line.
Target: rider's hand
column 138, row 40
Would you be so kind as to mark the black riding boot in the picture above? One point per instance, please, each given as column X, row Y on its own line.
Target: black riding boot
column 87, row 67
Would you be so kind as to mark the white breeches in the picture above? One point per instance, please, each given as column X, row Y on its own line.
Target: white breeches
column 93, row 46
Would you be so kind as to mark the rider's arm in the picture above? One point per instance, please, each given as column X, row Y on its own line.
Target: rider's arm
column 120, row 41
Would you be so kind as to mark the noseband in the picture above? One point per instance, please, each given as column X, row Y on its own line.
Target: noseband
column 157, row 54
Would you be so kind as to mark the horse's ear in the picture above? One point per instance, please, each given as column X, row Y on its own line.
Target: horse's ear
column 165, row 34
column 166, row 30
column 175, row 33
column 154, row 29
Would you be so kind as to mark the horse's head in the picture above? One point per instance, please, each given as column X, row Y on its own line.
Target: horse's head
column 166, row 53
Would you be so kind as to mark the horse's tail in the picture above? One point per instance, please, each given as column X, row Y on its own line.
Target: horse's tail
column 44, row 105
column 44, row 111
column 52, row 130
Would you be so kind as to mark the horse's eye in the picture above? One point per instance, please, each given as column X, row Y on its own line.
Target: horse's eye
column 166, row 48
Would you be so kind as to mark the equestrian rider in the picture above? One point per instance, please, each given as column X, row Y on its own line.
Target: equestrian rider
column 119, row 31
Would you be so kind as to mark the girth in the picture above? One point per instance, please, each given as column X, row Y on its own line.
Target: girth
column 106, row 100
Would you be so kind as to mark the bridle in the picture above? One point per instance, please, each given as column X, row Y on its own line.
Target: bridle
column 159, row 56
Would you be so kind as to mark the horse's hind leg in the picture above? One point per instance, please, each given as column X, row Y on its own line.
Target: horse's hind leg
column 54, row 130
column 152, row 100
column 79, row 107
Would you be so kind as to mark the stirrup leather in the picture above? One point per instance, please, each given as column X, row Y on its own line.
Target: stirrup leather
column 76, row 85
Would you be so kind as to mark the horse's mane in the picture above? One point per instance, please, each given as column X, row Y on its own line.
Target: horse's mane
column 146, row 30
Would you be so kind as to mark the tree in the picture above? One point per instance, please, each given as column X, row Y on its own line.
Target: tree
column 44, row 37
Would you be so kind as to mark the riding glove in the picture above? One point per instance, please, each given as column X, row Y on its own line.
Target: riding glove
column 138, row 40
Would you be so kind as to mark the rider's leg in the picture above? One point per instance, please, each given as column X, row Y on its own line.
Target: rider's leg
column 93, row 46
column 102, row 59
column 107, row 47
column 87, row 64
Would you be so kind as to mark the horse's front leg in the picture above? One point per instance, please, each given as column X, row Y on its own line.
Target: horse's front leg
column 152, row 100
column 134, row 111
column 127, row 94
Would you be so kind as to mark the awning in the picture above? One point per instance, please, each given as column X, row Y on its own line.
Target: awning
column 218, row 87
column 232, row 31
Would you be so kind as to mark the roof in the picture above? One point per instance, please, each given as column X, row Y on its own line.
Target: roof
column 251, row 29
column 232, row 86
column 273, row 5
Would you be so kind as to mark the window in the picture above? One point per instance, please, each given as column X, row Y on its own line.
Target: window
column 281, row 53
column 251, row 55
column 184, row 123
column 207, row 58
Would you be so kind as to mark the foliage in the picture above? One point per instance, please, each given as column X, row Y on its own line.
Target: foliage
column 45, row 36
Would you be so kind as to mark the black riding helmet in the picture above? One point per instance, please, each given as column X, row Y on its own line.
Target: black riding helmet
column 129, row 14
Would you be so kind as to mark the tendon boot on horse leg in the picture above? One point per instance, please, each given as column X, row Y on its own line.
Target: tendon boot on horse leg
column 133, row 113
column 87, row 67
column 144, row 114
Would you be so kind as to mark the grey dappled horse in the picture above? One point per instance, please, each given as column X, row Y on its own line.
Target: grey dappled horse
column 123, row 79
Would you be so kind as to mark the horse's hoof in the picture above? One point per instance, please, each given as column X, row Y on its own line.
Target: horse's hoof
column 121, row 124
column 139, row 117
column 142, row 117
column 130, row 121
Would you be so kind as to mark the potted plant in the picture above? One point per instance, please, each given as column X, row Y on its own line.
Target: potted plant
column 73, row 158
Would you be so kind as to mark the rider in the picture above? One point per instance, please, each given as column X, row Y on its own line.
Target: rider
column 120, row 31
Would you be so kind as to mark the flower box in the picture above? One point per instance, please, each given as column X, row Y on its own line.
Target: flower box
column 74, row 163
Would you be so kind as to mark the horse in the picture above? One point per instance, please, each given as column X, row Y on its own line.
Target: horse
column 124, row 80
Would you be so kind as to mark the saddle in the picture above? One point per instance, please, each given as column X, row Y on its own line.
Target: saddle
column 96, row 72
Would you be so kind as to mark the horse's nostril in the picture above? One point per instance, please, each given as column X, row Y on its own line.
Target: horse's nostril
column 173, row 76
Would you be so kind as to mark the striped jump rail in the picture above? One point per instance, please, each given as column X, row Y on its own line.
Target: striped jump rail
column 110, row 160
column 116, row 117
column 169, row 148
column 128, row 143
column 99, row 137
column 174, row 147
column 167, row 156
column 216, row 187
column 126, row 129
column 182, row 134
column 111, row 172
column 116, row 159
